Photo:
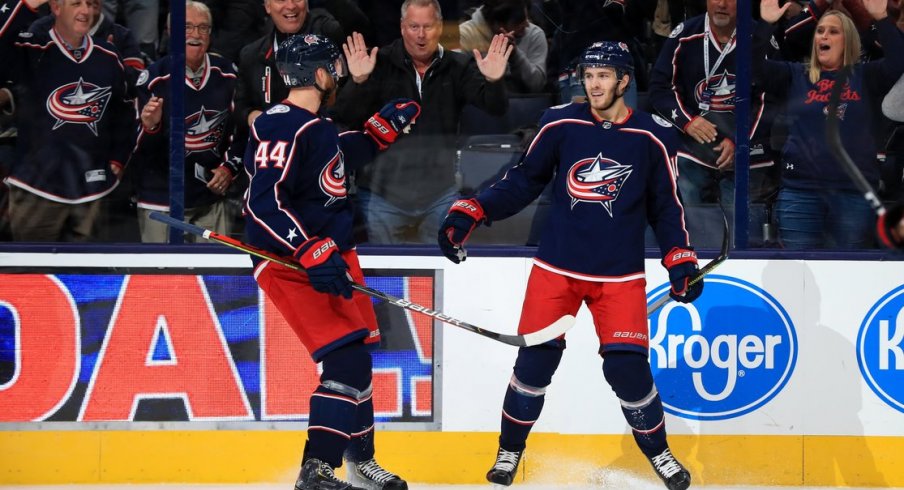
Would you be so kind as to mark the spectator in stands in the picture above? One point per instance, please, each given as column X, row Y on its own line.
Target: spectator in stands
column 238, row 24
column 141, row 17
column 406, row 192
column 584, row 23
column 693, row 86
column 526, row 71
column 259, row 85
column 209, row 88
column 796, row 33
column 103, row 28
column 817, row 198
column 74, row 122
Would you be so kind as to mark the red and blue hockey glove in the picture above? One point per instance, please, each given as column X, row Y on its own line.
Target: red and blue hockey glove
column 682, row 266
column 890, row 227
column 394, row 118
column 325, row 267
column 463, row 217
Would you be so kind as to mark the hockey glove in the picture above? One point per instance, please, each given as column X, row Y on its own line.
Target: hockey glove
column 682, row 266
column 890, row 227
column 394, row 118
column 463, row 217
column 326, row 270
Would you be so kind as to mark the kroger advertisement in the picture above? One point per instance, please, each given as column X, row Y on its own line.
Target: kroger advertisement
column 772, row 347
column 183, row 347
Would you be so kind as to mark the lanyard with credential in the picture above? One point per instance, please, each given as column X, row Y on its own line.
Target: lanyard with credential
column 707, row 95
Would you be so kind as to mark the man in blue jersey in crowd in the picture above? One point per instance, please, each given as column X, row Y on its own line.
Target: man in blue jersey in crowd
column 297, row 204
column 613, row 172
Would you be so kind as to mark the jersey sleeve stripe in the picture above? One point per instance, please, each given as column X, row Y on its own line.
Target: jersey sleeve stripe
column 553, row 124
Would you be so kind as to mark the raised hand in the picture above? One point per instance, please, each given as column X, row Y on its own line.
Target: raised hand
column 878, row 9
column 360, row 63
column 493, row 65
column 394, row 118
column 770, row 11
column 152, row 113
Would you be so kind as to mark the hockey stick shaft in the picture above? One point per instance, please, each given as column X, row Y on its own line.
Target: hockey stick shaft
column 833, row 136
column 546, row 334
column 716, row 262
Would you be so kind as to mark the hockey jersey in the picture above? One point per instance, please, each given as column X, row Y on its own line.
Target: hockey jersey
column 609, row 181
column 681, row 81
column 208, row 132
column 74, row 122
column 298, row 164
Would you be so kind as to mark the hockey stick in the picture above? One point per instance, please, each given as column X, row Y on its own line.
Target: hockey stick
column 716, row 262
column 550, row 332
column 833, row 136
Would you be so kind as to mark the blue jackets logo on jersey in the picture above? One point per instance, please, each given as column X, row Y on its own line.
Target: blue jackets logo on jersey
column 724, row 355
column 203, row 130
column 880, row 348
column 722, row 92
column 597, row 180
column 332, row 179
column 78, row 103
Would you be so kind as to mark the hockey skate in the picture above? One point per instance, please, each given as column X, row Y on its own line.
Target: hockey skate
column 673, row 474
column 370, row 475
column 317, row 475
column 503, row 472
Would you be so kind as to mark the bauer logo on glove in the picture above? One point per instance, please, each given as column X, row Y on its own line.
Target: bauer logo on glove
column 394, row 118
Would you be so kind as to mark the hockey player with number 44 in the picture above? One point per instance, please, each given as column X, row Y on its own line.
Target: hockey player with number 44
column 613, row 171
column 297, row 205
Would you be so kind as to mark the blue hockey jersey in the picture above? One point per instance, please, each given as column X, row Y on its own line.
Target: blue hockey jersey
column 74, row 122
column 208, row 132
column 298, row 164
column 609, row 181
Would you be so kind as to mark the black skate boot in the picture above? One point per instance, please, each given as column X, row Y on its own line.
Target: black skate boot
column 317, row 475
column 503, row 472
column 675, row 476
column 370, row 475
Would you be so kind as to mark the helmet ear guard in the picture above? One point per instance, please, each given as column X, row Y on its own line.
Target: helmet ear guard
column 300, row 55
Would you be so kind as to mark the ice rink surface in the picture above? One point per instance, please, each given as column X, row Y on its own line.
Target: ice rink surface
column 625, row 484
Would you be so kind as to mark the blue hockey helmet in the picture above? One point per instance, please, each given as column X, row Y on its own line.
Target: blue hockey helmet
column 606, row 53
column 300, row 55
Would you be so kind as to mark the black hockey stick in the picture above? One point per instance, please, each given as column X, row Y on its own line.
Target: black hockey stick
column 552, row 331
column 833, row 136
column 716, row 262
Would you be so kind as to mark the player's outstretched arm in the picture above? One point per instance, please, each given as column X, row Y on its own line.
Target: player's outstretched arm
column 394, row 118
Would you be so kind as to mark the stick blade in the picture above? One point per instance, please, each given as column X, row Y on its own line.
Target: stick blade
column 552, row 331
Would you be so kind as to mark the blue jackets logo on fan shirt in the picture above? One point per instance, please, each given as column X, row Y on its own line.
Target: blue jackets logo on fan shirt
column 724, row 355
column 722, row 92
column 880, row 348
column 78, row 103
column 597, row 180
column 203, row 130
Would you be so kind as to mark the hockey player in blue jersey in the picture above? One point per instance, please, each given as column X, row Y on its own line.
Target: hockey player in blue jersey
column 297, row 205
column 612, row 170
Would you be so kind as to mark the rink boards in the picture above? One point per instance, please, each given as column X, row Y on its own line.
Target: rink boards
column 174, row 368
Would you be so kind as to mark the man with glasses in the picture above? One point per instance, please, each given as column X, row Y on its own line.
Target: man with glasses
column 74, row 122
column 209, row 88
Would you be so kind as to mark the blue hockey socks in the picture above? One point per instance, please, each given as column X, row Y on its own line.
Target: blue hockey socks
column 629, row 375
column 526, row 393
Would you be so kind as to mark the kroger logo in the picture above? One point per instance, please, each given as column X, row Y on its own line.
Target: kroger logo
column 726, row 354
column 880, row 348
